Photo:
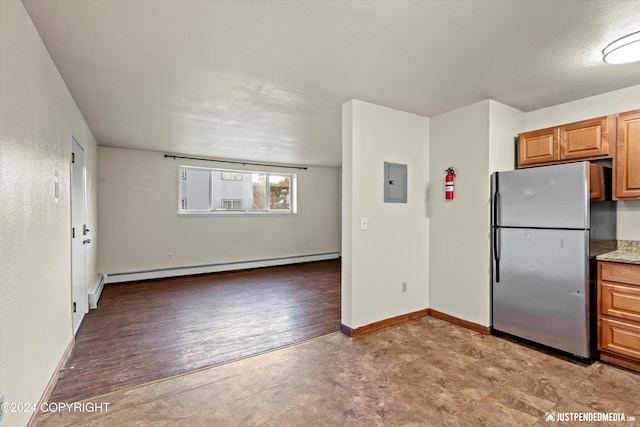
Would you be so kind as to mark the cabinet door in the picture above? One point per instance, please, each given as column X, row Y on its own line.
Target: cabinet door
column 627, row 164
column 587, row 139
column 538, row 147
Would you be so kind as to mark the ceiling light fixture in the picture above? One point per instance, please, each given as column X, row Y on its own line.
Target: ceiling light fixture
column 624, row 50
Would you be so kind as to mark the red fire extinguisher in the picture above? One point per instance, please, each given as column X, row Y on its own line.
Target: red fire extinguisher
column 448, row 183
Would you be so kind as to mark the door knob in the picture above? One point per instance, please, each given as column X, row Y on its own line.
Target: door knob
column 84, row 242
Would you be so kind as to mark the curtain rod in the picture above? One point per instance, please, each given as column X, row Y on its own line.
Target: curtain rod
column 175, row 156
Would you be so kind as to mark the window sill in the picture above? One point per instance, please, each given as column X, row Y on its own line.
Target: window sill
column 233, row 213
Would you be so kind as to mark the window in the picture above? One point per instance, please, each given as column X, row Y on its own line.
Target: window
column 232, row 176
column 220, row 191
column 279, row 192
column 232, row 205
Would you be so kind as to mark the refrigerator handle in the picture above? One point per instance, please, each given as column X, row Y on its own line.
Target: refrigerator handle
column 496, row 196
column 496, row 255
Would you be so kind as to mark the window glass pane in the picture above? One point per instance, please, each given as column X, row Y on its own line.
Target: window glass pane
column 259, row 191
column 232, row 205
column 234, row 176
column 239, row 191
column 218, row 190
column 279, row 193
column 195, row 189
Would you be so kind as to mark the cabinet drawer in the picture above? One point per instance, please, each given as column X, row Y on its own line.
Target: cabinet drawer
column 620, row 301
column 620, row 337
column 621, row 273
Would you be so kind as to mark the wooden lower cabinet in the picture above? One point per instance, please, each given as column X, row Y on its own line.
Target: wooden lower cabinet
column 620, row 337
column 619, row 313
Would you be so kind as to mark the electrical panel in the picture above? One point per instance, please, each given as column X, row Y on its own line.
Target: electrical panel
column 395, row 183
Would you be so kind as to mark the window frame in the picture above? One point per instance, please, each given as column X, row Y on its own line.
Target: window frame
column 243, row 212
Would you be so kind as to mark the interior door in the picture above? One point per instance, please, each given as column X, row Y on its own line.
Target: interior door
column 79, row 235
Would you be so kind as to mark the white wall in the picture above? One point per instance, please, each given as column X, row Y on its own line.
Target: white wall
column 504, row 124
column 38, row 118
column 613, row 102
column 140, row 226
column 346, row 217
column 600, row 105
column 475, row 140
column 395, row 248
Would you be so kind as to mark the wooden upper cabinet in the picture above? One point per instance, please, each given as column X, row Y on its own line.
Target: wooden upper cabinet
column 538, row 147
column 587, row 139
column 627, row 162
column 597, row 190
column 584, row 140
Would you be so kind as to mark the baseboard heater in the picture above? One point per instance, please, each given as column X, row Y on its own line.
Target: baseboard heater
column 94, row 296
column 214, row 268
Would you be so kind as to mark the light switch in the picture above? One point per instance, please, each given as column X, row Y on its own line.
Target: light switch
column 56, row 190
column 364, row 223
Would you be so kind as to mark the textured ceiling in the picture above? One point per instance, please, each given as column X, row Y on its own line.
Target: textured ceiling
column 265, row 80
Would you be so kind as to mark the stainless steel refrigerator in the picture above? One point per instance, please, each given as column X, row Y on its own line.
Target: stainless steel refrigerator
column 548, row 224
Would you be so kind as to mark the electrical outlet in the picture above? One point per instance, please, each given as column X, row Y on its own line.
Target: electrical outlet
column 171, row 256
column 404, row 286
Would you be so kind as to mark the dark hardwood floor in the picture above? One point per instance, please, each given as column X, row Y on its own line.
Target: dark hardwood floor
column 144, row 331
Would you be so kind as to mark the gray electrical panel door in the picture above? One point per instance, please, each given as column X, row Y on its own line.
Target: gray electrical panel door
column 395, row 183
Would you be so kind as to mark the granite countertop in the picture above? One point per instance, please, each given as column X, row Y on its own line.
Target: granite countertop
column 628, row 252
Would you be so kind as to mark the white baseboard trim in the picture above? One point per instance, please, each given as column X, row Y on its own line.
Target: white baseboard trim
column 213, row 268
column 95, row 295
column 52, row 381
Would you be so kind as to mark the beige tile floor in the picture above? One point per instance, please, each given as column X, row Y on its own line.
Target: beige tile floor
column 424, row 372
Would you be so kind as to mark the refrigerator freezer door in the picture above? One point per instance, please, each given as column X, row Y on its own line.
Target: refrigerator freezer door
column 543, row 292
column 546, row 197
